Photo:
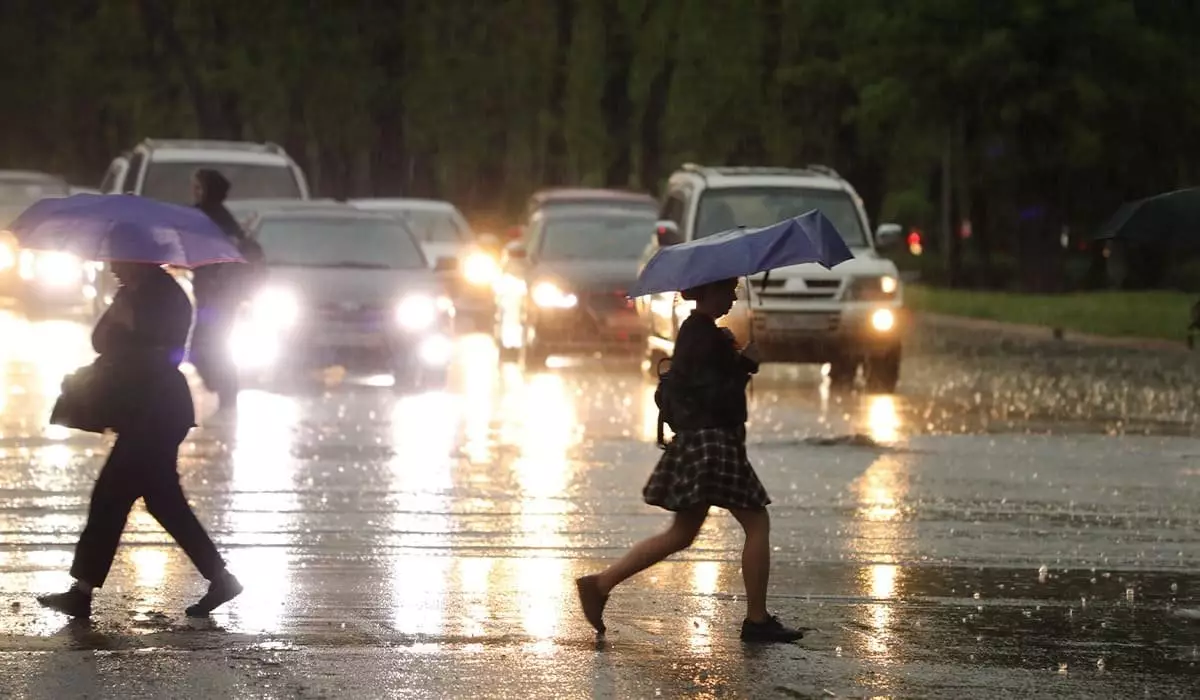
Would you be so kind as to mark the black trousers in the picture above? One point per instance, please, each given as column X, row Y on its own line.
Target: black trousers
column 210, row 352
column 142, row 464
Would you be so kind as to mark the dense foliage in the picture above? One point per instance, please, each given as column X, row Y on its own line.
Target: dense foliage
column 1044, row 113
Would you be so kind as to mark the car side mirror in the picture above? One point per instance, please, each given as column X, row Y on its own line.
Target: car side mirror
column 888, row 235
column 445, row 264
column 666, row 232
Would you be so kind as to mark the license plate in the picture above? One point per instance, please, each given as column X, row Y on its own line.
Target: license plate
column 800, row 322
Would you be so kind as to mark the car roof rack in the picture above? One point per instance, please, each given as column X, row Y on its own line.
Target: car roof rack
column 811, row 169
column 215, row 144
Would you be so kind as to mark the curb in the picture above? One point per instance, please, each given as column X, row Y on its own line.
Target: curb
column 1048, row 333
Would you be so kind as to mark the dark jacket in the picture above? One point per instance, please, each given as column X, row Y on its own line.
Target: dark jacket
column 706, row 384
column 136, row 377
column 220, row 285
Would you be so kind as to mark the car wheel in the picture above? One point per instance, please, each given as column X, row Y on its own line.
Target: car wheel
column 842, row 371
column 883, row 372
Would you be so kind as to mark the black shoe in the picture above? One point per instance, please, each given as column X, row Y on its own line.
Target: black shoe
column 220, row 591
column 74, row 602
column 769, row 631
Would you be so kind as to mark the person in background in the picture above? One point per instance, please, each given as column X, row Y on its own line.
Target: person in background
column 704, row 465
column 219, row 291
column 145, row 399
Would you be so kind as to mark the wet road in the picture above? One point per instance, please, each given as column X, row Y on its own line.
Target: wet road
column 1021, row 520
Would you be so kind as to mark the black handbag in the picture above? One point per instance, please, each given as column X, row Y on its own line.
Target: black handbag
column 88, row 400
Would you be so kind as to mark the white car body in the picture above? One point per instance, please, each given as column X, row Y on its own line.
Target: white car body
column 131, row 171
column 804, row 313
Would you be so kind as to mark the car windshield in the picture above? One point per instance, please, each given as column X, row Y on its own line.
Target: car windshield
column 433, row 226
column 622, row 238
column 724, row 209
column 172, row 181
column 634, row 205
column 339, row 242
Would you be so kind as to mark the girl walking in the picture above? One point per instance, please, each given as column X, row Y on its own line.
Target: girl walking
column 703, row 398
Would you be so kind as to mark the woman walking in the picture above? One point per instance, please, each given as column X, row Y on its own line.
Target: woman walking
column 705, row 464
column 136, row 389
column 219, row 291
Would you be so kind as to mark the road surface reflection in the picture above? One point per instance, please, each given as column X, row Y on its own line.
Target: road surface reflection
column 458, row 518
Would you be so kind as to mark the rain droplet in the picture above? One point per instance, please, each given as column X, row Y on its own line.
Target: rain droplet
column 1174, row 587
column 1100, row 664
column 1043, row 573
column 1062, row 669
column 838, row 651
column 976, row 596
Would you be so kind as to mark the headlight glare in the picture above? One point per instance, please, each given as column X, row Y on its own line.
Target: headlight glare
column 480, row 269
column 880, row 288
column 549, row 296
column 57, row 268
column 278, row 308
column 416, row 312
column 883, row 320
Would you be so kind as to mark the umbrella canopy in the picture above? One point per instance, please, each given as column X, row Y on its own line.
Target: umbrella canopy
column 124, row 228
column 809, row 238
column 1171, row 219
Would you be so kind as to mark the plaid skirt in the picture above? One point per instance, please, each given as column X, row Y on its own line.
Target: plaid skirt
column 706, row 467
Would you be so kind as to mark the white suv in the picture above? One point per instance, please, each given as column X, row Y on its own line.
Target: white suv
column 849, row 316
column 162, row 169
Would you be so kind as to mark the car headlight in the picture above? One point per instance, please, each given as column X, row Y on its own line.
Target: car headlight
column 276, row 307
column 883, row 320
column 872, row 288
column 51, row 267
column 417, row 312
column 550, row 296
column 480, row 269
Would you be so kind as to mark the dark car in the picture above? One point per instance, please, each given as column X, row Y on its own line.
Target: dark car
column 564, row 288
column 347, row 288
column 40, row 280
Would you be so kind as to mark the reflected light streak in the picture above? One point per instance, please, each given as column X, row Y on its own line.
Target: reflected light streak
column 478, row 387
column 880, row 490
column 881, row 585
column 549, row 429
column 883, row 420
column 705, row 577
column 264, row 498
column 424, row 428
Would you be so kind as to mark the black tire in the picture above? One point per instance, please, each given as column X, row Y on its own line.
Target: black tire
column 883, row 372
column 842, row 371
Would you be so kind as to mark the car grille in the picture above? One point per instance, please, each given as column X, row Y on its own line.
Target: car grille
column 365, row 316
column 814, row 288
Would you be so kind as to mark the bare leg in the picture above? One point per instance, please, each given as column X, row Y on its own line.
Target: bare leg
column 756, row 560
column 652, row 550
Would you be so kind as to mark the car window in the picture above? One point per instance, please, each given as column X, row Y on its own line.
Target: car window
column 434, row 226
column 622, row 238
column 109, row 183
column 172, row 181
column 339, row 242
column 752, row 207
column 131, row 173
column 672, row 209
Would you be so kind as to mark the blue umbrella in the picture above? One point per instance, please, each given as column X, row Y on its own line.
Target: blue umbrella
column 124, row 228
column 809, row 238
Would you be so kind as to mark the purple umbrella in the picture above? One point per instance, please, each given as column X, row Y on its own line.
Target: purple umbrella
column 809, row 238
column 124, row 228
